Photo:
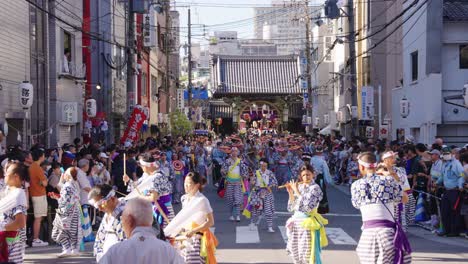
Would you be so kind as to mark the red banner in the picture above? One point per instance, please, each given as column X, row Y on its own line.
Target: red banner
column 134, row 125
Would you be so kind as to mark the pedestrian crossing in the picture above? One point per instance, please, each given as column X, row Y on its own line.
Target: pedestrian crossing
column 251, row 235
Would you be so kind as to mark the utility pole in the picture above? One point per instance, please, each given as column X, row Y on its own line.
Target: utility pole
column 352, row 61
column 130, row 58
column 189, row 85
column 309, row 64
column 167, row 51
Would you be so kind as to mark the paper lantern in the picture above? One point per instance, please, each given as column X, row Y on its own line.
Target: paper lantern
column 26, row 93
column 404, row 107
column 326, row 119
column 91, row 108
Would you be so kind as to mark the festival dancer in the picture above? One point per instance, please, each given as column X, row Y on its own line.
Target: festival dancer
column 235, row 172
column 283, row 171
column 399, row 174
column 305, row 229
column 322, row 177
column 153, row 187
column 194, row 221
column 261, row 196
column 13, row 206
column 178, row 166
column 110, row 232
column 298, row 159
column 67, row 223
column 382, row 239
column 217, row 156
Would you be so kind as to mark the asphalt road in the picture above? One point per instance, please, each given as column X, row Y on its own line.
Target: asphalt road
column 237, row 244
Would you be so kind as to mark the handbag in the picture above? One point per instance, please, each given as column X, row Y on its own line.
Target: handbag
column 221, row 188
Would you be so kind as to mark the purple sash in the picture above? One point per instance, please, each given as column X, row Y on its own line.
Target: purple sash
column 400, row 241
column 163, row 201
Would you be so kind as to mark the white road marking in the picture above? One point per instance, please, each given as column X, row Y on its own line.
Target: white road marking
column 325, row 215
column 339, row 237
column 246, row 236
column 282, row 229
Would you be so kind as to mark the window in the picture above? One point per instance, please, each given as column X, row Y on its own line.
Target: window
column 366, row 78
column 464, row 56
column 144, row 83
column 68, row 52
column 414, row 66
column 154, row 88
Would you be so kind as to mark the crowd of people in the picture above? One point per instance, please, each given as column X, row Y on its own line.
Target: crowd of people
column 122, row 197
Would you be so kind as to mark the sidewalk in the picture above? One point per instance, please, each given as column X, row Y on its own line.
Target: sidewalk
column 416, row 230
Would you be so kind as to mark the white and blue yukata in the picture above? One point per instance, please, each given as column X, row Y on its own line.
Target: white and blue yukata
column 382, row 240
column 305, row 229
column 261, row 196
column 235, row 172
column 67, row 229
column 163, row 186
column 110, row 231
column 13, row 202
column 322, row 178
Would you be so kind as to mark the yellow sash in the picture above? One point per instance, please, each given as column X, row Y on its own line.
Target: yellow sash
column 313, row 223
column 260, row 178
column 208, row 245
column 230, row 173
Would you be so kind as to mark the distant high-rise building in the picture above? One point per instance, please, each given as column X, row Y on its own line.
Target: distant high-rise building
column 283, row 24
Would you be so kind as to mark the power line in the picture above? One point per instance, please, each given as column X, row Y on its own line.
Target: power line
column 91, row 35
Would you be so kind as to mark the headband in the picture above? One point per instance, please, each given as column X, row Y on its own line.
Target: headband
column 367, row 165
column 148, row 164
column 97, row 203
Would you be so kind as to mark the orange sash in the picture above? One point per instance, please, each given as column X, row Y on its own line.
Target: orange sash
column 208, row 245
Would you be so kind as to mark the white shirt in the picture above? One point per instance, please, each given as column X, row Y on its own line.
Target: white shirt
column 199, row 215
column 83, row 182
column 142, row 248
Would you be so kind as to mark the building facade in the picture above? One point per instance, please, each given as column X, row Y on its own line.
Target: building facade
column 435, row 67
column 15, row 61
column 282, row 24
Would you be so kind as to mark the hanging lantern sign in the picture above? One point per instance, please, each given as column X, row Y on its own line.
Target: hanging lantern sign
column 326, row 119
column 91, row 108
column 369, row 132
column 26, row 92
column 339, row 116
column 316, row 121
column 404, row 107
column 160, row 118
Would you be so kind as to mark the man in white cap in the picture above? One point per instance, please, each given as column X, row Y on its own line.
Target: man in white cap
column 142, row 245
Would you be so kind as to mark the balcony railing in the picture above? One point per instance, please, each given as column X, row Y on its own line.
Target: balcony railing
column 72, row 70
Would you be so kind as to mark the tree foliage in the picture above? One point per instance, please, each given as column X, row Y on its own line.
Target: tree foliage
column 180, row 124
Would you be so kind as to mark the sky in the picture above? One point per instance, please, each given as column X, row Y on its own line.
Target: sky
column 215, row 12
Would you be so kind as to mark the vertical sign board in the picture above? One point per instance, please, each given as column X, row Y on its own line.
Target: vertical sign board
column 180, row 100
column 70, row 112
column 367, row 103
